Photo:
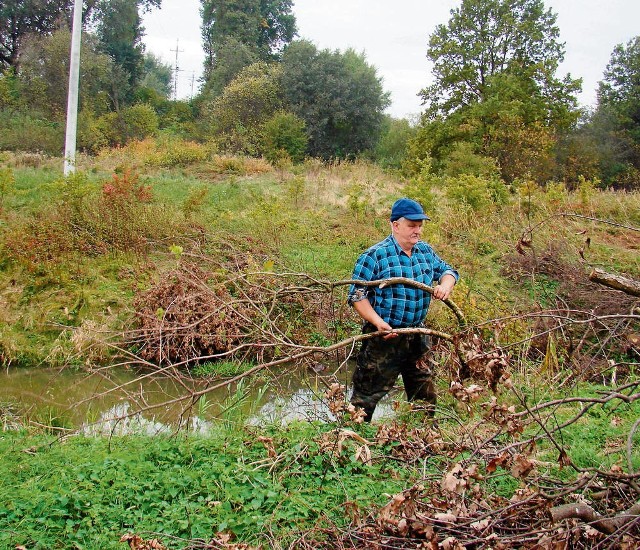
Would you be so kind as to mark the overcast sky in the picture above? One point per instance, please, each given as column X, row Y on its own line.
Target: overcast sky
column 394, row 37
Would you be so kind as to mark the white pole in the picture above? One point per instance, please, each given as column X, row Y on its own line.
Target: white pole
column 72, row 98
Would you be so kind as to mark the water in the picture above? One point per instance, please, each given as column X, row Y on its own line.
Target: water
column 120, row 401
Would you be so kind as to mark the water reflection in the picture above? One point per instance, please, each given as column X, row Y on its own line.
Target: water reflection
column 111, row 401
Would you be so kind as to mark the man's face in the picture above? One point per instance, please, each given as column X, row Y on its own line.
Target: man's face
column 407, row 232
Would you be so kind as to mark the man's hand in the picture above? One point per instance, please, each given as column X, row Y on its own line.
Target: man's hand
column 443, row 289
column 387, row 327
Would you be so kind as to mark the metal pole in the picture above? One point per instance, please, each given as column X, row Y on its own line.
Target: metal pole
column 72, row 98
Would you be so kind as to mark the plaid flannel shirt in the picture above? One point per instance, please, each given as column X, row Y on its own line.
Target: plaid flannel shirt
column 399, row 305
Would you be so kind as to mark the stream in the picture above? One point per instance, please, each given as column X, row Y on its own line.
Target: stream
column 118, row 401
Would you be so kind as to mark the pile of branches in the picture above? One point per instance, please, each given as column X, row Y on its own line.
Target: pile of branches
column 211, row 311
column 460, row 509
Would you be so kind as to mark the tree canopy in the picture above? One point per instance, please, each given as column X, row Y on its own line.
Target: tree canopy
column 259, row 29
column 338, row 95
column 495, row 65
column 616, row 122
column 18, row 18
column 119, row 30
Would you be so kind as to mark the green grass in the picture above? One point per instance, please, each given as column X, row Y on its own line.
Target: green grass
column 86, row 493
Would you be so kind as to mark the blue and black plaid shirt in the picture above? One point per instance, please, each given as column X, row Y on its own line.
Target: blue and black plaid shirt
column 399, row 305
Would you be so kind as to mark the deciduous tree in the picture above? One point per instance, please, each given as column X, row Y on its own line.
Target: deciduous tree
column 617, row 118
column 495, row 62
column 255, row 29
column 338, row 95
column 235, row 118
column 18, row 18
column 119, row 30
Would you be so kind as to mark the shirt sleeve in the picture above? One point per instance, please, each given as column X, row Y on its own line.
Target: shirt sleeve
column 364, row 270
column 441, row 268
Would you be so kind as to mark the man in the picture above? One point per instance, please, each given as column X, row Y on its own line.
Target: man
column 383, row 358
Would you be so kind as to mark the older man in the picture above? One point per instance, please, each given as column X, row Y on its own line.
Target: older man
column 381, row 359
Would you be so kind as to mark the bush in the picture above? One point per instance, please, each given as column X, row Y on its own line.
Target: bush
column 476, row 192
column 28, row 132
column 391, row 150
column 138, row 122
column 284, row 135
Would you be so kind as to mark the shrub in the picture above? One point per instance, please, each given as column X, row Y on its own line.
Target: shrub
column 177, row 152
column 476, row 192
column 284, row 135
column 28, row 132
column 391, row 149
column 138, row 122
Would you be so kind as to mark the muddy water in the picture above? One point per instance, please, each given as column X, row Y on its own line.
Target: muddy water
column 118, row 401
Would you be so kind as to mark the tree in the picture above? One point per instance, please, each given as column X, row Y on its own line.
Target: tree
column 231, row 58
column 495, row 63
column 258, row 29
column 338, row 95
column 18, row 18
column 156, row 75
column 617, row 118
column 284, row 136
column 119, row 30
column 487, row 38
column 44, row 74
column 391, row 148
column 236, row 117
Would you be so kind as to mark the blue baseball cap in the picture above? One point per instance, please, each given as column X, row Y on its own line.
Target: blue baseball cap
column 409, row 209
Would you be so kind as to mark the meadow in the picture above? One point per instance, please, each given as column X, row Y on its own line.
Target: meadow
column 168, row 258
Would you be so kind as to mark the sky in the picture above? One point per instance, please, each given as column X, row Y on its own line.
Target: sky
column 394, row 37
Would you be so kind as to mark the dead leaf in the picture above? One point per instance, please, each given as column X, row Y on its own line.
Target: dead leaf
column 563, row 459
column 481, row 525
column 268, row 444
column 445, row 517
column 136, row 542
column 454, row 481
column 521, row 467
column 501, row 461
column 363, row 454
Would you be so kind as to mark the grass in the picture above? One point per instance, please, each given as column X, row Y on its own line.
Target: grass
column 88, row 492
column 264, row 485
column 307, row 227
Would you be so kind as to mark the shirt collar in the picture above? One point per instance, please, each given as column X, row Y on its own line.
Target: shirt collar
column 399, row 248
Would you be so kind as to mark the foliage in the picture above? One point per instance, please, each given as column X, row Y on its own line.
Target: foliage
column 236, row 117
column 477, row 193
column 231, row 58
column 615, row 122
column 237, row 33
column 338, row 95
column 156, row 76
column 463, row 160
column 485, row 40
column 284, row 136
column 495, row 87
column 391, row 149
column 19, row 18
column 191, row 488
column 30, row 133
column 44, row 74
column 137, row 122
column 119, row 31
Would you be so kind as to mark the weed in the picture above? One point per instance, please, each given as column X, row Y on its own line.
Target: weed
column 223, row 369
